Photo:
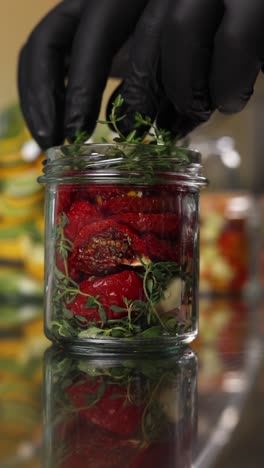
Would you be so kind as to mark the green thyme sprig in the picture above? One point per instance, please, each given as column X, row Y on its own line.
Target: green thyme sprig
column 63, row 245
column 158, row 135
column 74, row 148
column 155, row 281
column 81, row 136
column 141, row 317
column 152, row 150
column 152, row 133
column 114, row 120
column 155, row 134
column 157, row 277
column 153, row 420
column 66, row 292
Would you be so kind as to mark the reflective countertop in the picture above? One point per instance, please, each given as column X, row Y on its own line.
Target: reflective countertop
column 202, row 406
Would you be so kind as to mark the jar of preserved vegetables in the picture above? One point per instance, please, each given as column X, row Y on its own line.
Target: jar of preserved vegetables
column 121, row 253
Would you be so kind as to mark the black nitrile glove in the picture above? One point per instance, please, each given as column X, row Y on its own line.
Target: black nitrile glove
column 85, row 35
column 187, row 57
column 190, row 57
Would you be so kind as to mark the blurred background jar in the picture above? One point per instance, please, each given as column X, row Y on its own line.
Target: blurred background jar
column 230, row 236
column 226, row 223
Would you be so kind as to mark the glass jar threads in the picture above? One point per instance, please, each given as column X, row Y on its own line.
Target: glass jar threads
column 121, row 254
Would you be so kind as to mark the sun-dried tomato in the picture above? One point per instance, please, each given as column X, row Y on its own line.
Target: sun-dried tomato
column 160, row 249
column 102, row 194
column 64, row 197
column 110, row 411
column 111, row 291
column 164, row 225
column 159, row 454
column 80, row 214
column 85, row 444
column 135, row 204
column 104, row 246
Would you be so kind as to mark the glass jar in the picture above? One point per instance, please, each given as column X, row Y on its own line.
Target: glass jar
column 111, row 411
column 121, row 253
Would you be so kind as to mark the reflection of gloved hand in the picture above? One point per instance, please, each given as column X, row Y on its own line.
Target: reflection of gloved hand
column 187, row 58
column 210, row 53
column 90, row 32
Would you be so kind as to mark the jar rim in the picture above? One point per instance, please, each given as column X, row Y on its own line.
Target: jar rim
column 195, row 156
column 123, row 162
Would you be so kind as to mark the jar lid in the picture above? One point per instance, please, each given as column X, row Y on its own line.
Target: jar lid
column 123, row 163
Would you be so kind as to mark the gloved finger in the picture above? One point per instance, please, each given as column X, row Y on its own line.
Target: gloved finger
column 177, row 123
column 167, row 118
column 238, row 54
column 120, row 61
column 140, row 89
column 41, row 72
column 102, row 31
column 187, row 45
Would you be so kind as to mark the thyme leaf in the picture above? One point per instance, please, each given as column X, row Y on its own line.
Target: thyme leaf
column 154, row 134
column 141, row 318
column 63, row 245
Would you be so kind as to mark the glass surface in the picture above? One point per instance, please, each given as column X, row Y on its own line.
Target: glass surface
column 121, row 246
column 225, row 369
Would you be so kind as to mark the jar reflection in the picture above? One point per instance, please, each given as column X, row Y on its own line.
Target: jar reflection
column 115, row 412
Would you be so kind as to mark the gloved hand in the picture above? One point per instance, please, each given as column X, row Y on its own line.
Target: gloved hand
column 187, row 58
column 190, row 57
column 87, row 34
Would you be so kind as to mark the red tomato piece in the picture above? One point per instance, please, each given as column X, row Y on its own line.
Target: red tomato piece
column 111, row 290
column 80, row 214
column 65, row 195
column 157, row 455
column 160, row 249
column 233, row 244
column 86, row 444
column 104, row 246
column 164, row 225
column 112, row 412
column 101, row 194
column 134, row 204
